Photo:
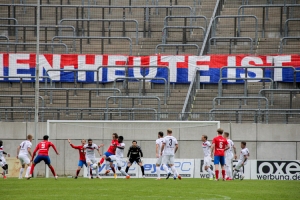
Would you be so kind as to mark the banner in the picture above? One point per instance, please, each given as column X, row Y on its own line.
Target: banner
column 176, row 69
column 14, row 166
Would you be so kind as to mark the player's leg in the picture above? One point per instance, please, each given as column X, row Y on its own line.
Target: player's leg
column 35, row 162
column 111, row 164
column 222, row 162
column 89, row 170
column 22, row 162
column 216, row 163
column 158, row 164
column 80, row 165
column 129, row 164
column 228, row 168
column 48, row 162
column 164, row 162
column 4, row 166
column 171, row 163
column 207, row 161
column 119, row 165
column 139, row 161
column 237, row 169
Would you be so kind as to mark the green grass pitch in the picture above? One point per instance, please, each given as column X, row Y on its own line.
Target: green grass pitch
column 82, row 188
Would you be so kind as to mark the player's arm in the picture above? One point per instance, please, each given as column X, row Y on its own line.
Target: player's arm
column 129, row 151
column 99, row 152
column 101, row 145
column 141, row 152
column 29, row 151
column 212, row 147
column 227, row 147
column 18, row 150
column 176, row 147
column 157, row 150
column 34, row 152
column 54, row 147
column 245, row 159
column 234, row 150
column 73, row 146
column 162, row 148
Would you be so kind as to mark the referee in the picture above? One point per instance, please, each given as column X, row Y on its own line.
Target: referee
column 135, row 154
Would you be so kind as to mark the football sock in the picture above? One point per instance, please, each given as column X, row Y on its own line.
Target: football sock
column 241, row 172
column 101, row 161
column 174, row 170
column 113, row 169
column 123, row 172
column 28, row 171
column 143, row 172
column 217, row 174
column 223, row 173
column 229, row 172
column 210, row 172
column 89, row 170
column 52, row 170
column 31, row 169
column 77, row 172
column 166, row 168
column 126, row 170
column 21, row 172
column 107, row 165
column 158, row 171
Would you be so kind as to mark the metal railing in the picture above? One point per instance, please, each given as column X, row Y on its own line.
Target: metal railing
column 283, row 41
column 291, row 93
column 220, row 85
column 265, row 15
column 133, row 98
column 15, row 44
column 236, row 27
column 240, row 101
column 103, row 27
column 9, row 31
column 217, row 11
column 190, row 96
column 286, row 25
column 230, row 39
column 177, row 47
column 184, row 38
column 94, row 37
column 144, row 90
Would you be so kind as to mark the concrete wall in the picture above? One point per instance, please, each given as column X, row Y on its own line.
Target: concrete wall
column 265, row 141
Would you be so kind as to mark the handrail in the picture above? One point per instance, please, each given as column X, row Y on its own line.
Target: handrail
column 286, row 38
column 15, row 22
column 93, row 37
column 237, row 28
column 136, row 97
column 240, row 98
column 190, row 96
column 220, row 90
column 108, row 20
column 291, row 91
column 286, row 25
column 177, row 45
column 45, row 44
column 132, row 66
column 145, row 78
column 217, row 11
column 265, row 13
column 230, row 39
column 5, row 37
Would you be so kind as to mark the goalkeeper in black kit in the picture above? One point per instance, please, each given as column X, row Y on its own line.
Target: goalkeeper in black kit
column 135, row 154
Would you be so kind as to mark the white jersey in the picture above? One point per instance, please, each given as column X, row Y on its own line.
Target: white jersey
column 159, row 142
column 120, row 151
column 24, row 147
column 1, row 152
column 170, row 143
column 244, row 152
column 89, row 152
column 229, row 152
column 206, row 148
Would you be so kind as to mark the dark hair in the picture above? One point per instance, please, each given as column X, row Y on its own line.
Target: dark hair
column 121, row 137
column 46, row 137
column 244, row 143
column 226, row 133
column 160, row 133
column 220, row 131
column 134, row 141
column 205, row 136
column 116, row 135
column 90, row 140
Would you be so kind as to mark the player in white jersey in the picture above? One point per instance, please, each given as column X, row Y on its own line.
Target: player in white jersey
column 90, row 158
column 229, row 156
column 242, row 160
column 168, row 150
column 158, row 144
column 207, row 158
column 3, row 163
column 23, row 153
column 118, row 158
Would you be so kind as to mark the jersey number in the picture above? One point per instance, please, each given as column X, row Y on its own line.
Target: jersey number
column 221, row 145
column 43, row 146
column 23, row 145
column 170, row 142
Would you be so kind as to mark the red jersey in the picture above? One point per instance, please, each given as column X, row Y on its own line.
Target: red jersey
column 43, row 148
column 81, row 151
column 113, row 146
column 220, row 145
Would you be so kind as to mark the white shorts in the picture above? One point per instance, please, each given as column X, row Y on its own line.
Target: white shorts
column 91, row 160
column 3, row 162
column 228, row 161
column 207, row 161
column 118, row 160
column 239, row 165
column 159, row 160
column 24, row 159
column 168, row 159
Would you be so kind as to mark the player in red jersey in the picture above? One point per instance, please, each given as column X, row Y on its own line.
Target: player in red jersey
column 219, row 146
column 43, row 148
column 81, row 161
column 110, row 151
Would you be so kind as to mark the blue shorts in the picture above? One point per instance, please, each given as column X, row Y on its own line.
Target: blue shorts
column 219, row 159
column 81, row 163
column 39, row 158
column 107, row 154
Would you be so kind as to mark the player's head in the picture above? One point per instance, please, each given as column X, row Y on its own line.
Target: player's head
column 90, row 142
column 226, row 135
column 114, row 136
column 160, row 134
column 29, row 137
column 134, row 143
column 46, row 137
column 120, row 139
column 243, row 144
column 220, row 131
column 169, row 131
column 204, row 138
column 83, row 141
column 1, row 143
